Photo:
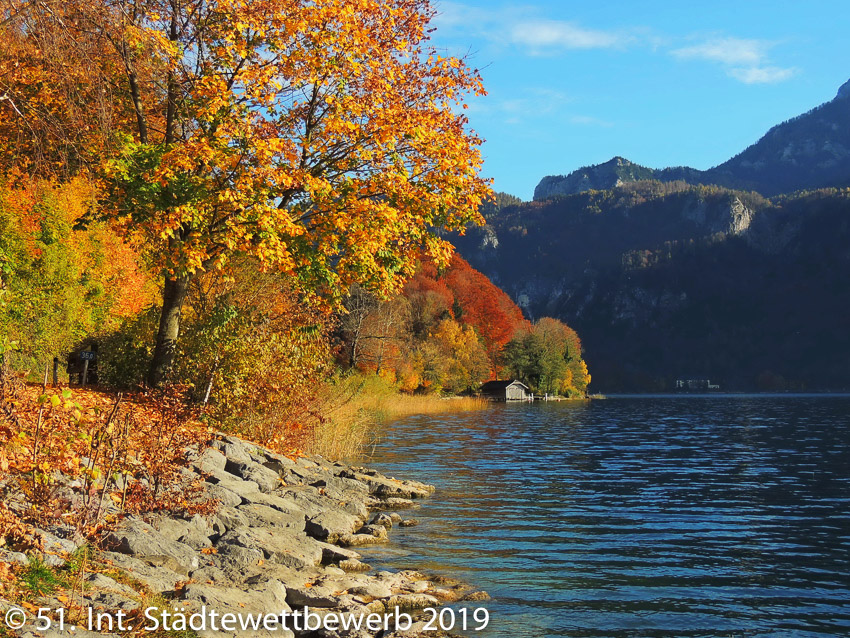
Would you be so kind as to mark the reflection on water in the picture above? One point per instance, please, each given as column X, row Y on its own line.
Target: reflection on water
column 715, row 516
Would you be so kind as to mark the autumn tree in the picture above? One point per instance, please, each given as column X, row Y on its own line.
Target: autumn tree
column 467, row 295
column 453, row 359
column 429, row 298
column 357, row 305
column 61, row 282
column 323, row 139
column 383, row 336
column 548, row 358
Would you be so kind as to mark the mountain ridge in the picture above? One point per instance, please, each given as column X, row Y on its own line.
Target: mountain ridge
column 811, row 150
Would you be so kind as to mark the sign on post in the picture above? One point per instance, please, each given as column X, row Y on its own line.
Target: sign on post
column 87, row 356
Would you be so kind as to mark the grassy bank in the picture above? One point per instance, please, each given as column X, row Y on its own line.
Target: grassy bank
column 357, row 406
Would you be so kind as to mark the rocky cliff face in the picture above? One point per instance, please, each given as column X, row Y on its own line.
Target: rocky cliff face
column 611, row 174
column 665, row 279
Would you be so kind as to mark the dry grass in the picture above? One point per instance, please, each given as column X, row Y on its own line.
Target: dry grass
column 402, row 405
column 356, row 406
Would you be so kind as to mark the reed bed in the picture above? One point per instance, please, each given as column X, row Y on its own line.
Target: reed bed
column 356, row 406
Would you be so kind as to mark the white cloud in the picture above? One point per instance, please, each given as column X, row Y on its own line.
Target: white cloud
column 762, row 75
column 553, row 34
column 525, row 28
column 528, row 29
column 730, row 51
column 743, row 59
column 451, row 15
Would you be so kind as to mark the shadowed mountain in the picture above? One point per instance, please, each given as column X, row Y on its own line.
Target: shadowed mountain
column 665, row 280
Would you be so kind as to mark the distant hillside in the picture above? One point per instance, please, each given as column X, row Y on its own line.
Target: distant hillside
column 668, row 280
column 809, row 151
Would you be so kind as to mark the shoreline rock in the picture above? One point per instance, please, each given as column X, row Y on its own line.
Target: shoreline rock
column 282, row 539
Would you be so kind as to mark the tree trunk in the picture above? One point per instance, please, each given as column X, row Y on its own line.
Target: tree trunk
column 169, row 329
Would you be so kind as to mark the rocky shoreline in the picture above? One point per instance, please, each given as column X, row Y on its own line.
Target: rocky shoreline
column 281, row 539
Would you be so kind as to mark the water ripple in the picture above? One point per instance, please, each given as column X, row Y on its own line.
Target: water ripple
column 654, row 517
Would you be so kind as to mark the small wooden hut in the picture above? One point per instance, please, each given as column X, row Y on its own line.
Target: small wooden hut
column 510, row 390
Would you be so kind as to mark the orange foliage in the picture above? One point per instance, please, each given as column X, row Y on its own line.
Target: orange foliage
column 322, row 138
column 261, row 353
column 468, row 296
column 484, row 305
column 59, row 107
column 64, row 278
column 444, row 332
column 126, row 451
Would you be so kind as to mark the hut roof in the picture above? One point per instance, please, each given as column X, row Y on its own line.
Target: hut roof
column 495, row 386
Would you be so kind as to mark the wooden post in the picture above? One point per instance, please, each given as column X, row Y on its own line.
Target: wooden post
column 85, row 372
column 55, row 372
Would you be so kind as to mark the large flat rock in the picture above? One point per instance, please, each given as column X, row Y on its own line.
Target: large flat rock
column 283, row 546
column 136, row 538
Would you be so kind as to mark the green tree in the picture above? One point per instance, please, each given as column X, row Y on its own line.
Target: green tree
column 548, row 359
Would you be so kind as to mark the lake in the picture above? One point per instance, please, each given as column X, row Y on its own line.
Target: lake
column 636, row 516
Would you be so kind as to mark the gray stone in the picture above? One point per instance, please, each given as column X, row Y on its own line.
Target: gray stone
column 136, row 538
column 335, row 553
column 372, row 590
column 360, row 540
column 210, row 574
column 170, row 528
column 111, row 601
column 264, row 598
column 313, row 502
column 387, row 487
column 410, row 522
column 272, row 500
column 52, row 560
column 330, row 525
column 56, row 545
column 353, row 565
column 393, row 503
column 236, row 561
column 234, row 450
column 286, row 575
column 13, row 557
column 100, row 581
column 226, row 497
column 306, row 463
column 411, row 602
column 378, row 531
column 258, row 515
column 382, row 519
column 267, row 480
column 233, row 483
column 301, row 596
column 210, row 460
column 290, row 548
column 277, row 462
column 228, row 518
column 156, row 578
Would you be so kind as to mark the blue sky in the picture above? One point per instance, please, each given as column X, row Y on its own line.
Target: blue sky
column 662, row 83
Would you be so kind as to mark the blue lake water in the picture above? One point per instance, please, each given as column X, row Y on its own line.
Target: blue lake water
column 643, row 516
